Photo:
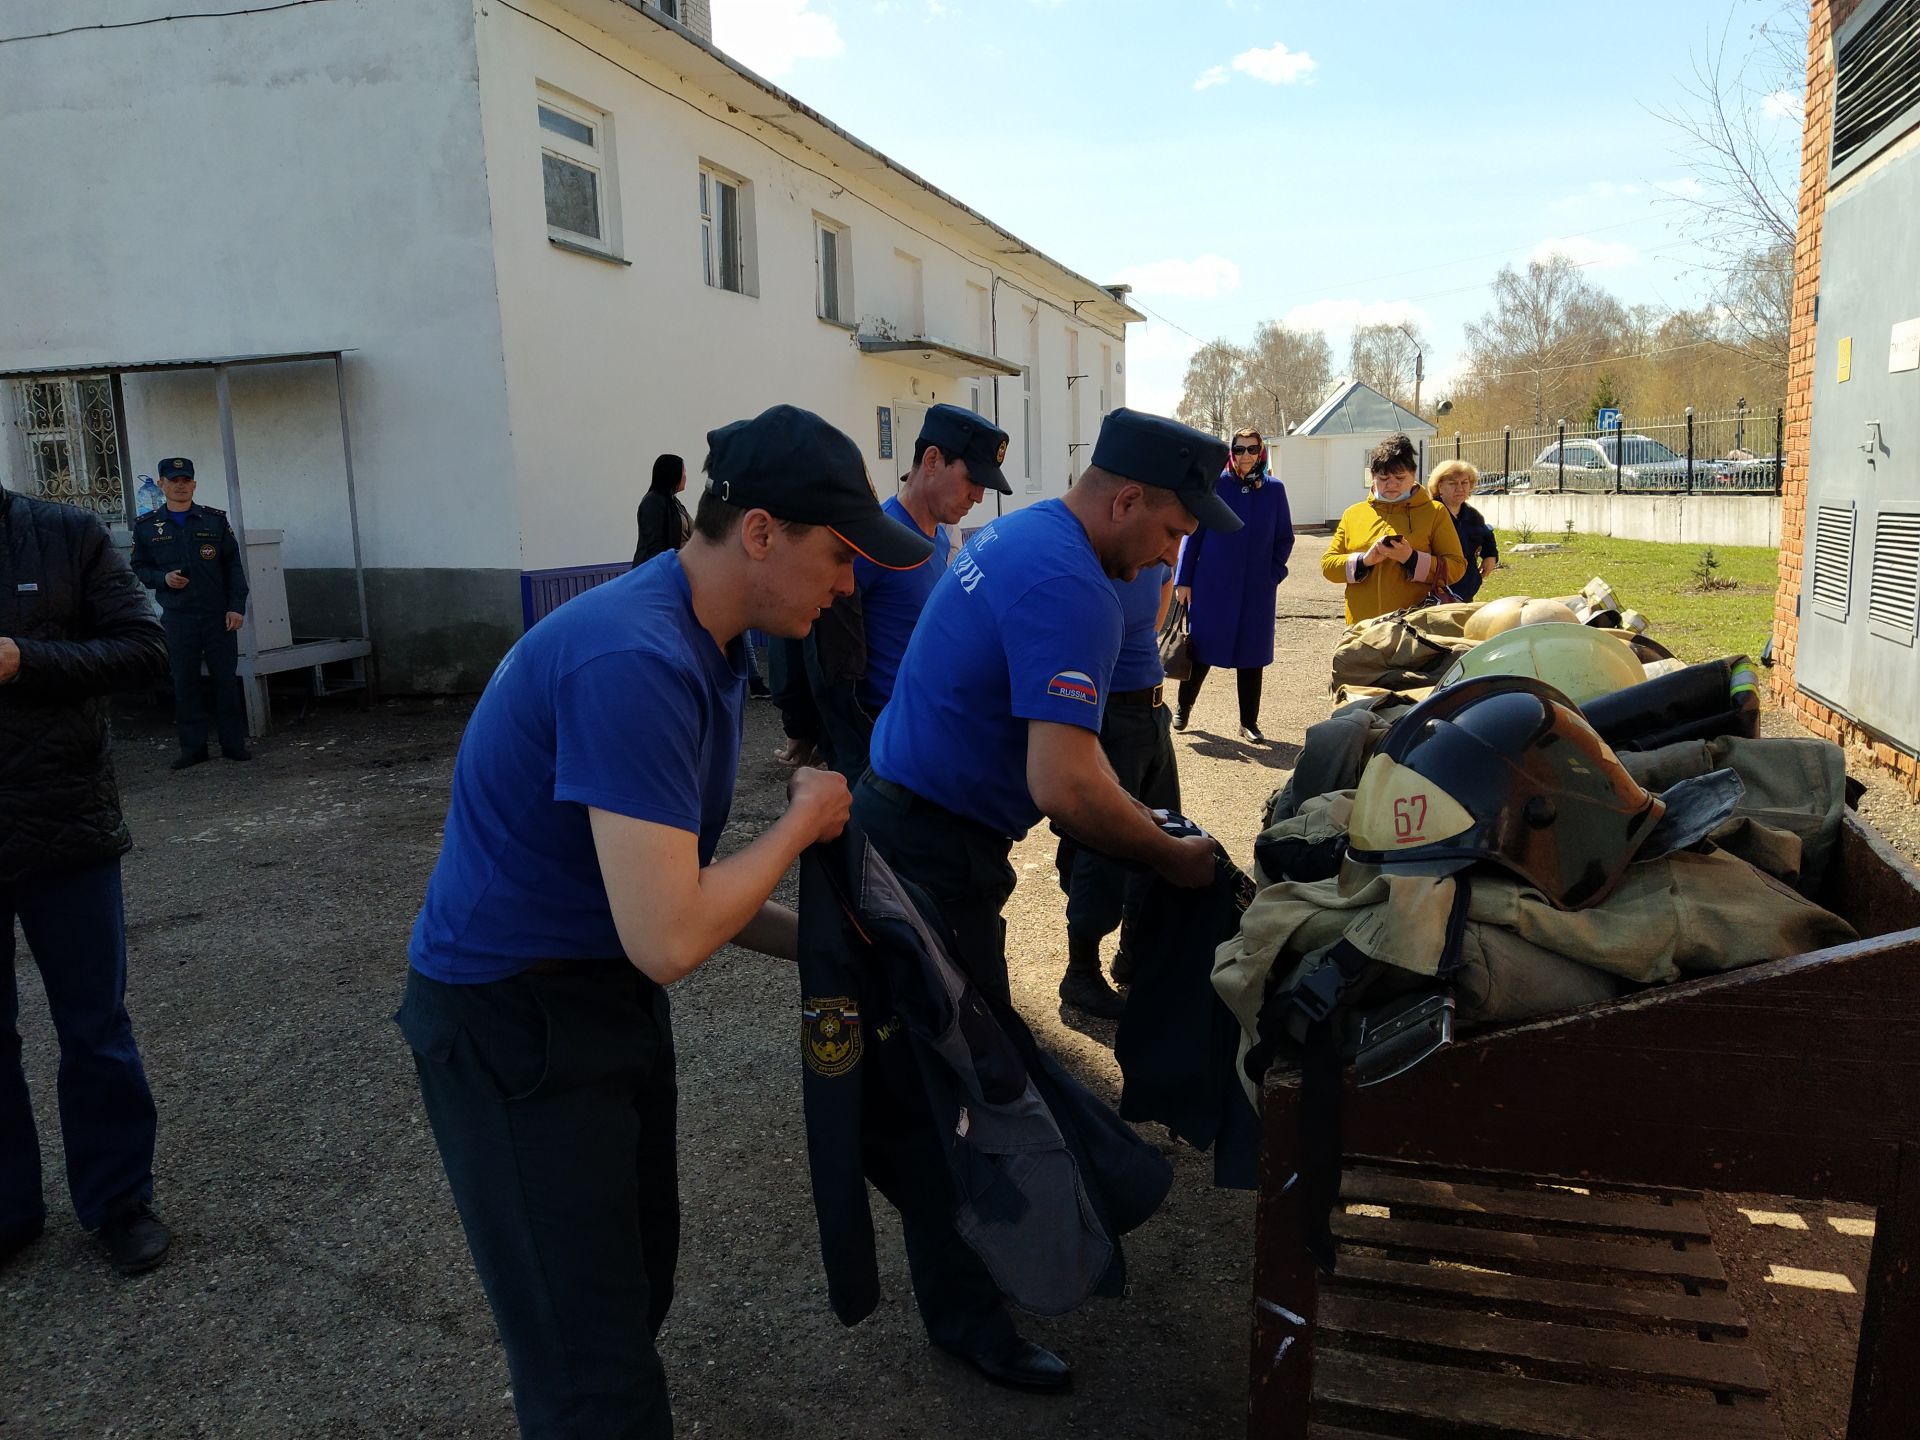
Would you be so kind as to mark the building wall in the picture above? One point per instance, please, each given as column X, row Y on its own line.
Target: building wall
column 1670, row 519
column 610, row 363
column 304, row 179
column 1827, row 16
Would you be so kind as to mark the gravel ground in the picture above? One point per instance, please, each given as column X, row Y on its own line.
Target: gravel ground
column 319, row 1284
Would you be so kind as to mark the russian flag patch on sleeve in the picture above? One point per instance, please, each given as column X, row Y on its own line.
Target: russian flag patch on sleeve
column 1074, row 685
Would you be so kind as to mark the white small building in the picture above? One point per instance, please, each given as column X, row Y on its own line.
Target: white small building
column 1323, row 462
column 547, row 240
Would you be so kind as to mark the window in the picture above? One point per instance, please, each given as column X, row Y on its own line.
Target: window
column 1876, row 86
column 833, row 277
column 670, row 9
column 573, row 159
column 723, row 254
column 72, row 430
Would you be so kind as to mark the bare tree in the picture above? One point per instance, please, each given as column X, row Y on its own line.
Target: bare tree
column 1212, row 385
column 1285, row 375
column 1386, row 356
column 1548, row 327
column 1743, row 206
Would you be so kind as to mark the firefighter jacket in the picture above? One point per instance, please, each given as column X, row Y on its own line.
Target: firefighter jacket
column 915, row 1081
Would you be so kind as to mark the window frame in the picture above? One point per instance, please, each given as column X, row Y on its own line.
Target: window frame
column 827, row 231
column 713, row 180
column 594, row 157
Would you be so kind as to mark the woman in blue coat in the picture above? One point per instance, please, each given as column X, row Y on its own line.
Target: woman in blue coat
column 1228, row 582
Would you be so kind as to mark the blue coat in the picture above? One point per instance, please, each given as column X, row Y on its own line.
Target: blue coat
column 1234, row 577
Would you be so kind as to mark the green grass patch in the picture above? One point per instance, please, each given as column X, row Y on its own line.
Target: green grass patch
column 1661, row 582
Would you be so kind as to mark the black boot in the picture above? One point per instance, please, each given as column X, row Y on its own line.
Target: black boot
column 189, row 757
column 1084, row 987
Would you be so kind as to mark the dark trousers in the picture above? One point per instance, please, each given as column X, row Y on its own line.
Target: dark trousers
column 962, row 868
column 1101, row 891
column 552, row 1100
column 76, row 928
column 1250, row 682
column 192, row 638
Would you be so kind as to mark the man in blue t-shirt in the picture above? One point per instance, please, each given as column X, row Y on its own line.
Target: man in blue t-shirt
column 995, row 722
column 577, row 879
column 854, row 652
column 1136, row 736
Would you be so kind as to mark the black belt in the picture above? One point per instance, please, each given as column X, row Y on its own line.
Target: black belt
column 911, row 801
column 1152, row 696
column 594, row 965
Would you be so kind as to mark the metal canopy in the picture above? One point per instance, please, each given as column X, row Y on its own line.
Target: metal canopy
column 936, row 356
column 254, row 668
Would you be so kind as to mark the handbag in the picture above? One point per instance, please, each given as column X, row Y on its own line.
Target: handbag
column 1176, row 643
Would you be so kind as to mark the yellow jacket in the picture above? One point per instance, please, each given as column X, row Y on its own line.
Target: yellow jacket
column 1423, row 522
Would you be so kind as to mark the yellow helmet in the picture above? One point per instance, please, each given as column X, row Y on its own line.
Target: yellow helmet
column 1577, row 660
column 1494, row 617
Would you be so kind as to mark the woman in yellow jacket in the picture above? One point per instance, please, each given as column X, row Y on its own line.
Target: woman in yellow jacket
column 1397, row 547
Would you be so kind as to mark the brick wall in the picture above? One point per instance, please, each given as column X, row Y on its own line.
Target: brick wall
column 1827, row 16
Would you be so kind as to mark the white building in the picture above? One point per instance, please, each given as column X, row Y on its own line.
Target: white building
column 492, row 210
column 1323, row 462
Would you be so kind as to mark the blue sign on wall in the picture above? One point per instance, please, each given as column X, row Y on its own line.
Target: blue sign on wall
column 886, row 431
column 1607, row 419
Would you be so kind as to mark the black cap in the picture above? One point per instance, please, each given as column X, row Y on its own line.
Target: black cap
column 1157, row 451
column 795, row 466
column 176, row 468
column 963, row 435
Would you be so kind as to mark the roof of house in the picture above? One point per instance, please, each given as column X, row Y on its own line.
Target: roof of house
column 647, row 30
column 1356, row 408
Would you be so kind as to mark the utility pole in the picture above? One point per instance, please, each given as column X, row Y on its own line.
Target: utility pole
column 1419, row 365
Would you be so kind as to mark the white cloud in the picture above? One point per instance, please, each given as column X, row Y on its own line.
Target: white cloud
column 1204, row 276
column 1213, row 75
column 1585, row 251
column 1343, row 316
column 1595, row 192
column 771, row 36
column 937, row 11
column 1783, row 105
column 1685, row 188
column 1276, row 64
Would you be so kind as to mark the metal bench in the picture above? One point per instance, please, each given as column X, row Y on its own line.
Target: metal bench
column 1490, row 1300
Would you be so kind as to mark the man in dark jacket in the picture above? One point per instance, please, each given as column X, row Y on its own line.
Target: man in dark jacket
column 73, row 627
column 188, row 555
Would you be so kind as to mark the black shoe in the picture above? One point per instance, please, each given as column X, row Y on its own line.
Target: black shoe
column 1251, row 734
column 1179, row 718
column 1084, row 987
column 239, row 752
column 16, row 1238
column 1122, row 968
column 1090, row 994
column 188, row 757
column 135, row 1240
column 1023, row 1365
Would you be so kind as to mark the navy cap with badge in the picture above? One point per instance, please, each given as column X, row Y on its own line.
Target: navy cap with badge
column 175, row 468
column 795, row 466
column 974, row 439
column 1154, row 450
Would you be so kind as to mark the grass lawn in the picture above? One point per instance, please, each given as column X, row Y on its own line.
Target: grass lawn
column 1658, row 581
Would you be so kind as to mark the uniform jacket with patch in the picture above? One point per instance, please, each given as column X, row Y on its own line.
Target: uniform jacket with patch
column 915, row 1081
column 84, row 630
column 1377, row 589
column 205, row 548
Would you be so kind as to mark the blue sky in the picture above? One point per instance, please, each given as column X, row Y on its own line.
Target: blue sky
column 1248, row 160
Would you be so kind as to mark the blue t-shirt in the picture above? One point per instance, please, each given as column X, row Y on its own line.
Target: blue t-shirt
column 617, row 700
column 1024, row 625
column 1138, row 667
column 891, row 602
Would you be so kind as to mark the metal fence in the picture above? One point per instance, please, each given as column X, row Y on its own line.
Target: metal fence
column 1729, row 451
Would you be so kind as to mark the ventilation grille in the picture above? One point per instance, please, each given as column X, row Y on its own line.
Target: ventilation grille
column 1877, row 79
column 1833, row 560
column 1893, row 590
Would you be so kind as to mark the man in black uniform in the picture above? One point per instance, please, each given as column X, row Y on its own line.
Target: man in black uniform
column 188, row 555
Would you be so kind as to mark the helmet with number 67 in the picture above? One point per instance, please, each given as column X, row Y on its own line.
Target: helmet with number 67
column 1502, row 769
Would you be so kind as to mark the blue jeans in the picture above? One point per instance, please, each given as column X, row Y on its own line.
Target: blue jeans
column 76, row 928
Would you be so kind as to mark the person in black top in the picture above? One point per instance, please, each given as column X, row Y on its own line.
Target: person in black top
column 1452, row 482
column 188, row 555
column 664, row 522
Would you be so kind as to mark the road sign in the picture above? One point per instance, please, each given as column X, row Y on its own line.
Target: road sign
column 1607, row 419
